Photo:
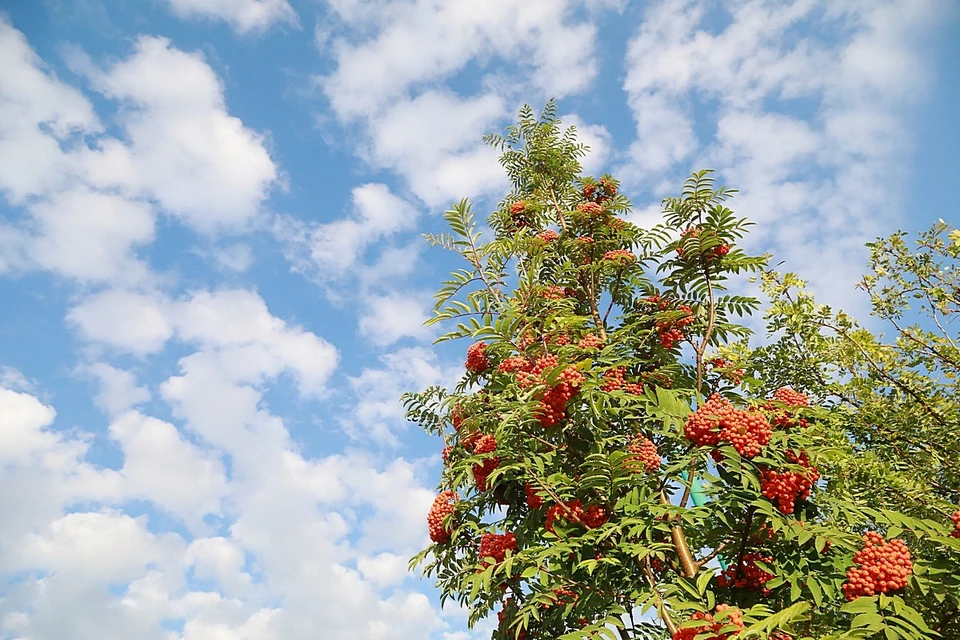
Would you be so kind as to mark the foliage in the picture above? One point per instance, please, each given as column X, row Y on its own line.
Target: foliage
column 599, row 349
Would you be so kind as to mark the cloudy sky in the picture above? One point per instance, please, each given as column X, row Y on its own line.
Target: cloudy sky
column 213, row 282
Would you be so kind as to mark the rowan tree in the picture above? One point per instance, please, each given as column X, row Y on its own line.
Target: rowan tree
column 611, row 469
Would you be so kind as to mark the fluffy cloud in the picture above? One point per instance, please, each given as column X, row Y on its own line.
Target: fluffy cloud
column 118, row 388
column 182, row 149
column 90, row 200
column 801, row 172
column 243, row 16
column 420, row 42
column 329, row 251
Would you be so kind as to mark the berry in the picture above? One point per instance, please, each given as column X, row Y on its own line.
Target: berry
column 589, row 190
column 646, row 455
column 748, row 575
column 608, row 187
column 590, row 208
column 513, row 364
column 590, row 341
column 485, row 444
column 620, row 255
column 711, row 625
column 456, row 417
column 534, row 501
column 548, row 236
column 585, row 240
column 554, row 292
column 595, row 516
column 791, row 398
column 613, row 379
column 786, row 487
column 495, row 545
column 518, row 207
column 482, row 471
column 717, row 421
column 884, row 567
column 445, row 454
column 782, row 417
column 477, row 360
column 569, row 510
column 442, row 507
column 956, row 524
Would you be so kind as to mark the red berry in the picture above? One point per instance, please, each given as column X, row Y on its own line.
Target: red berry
column 548, row 236
column 442, row 507
column 646, row 457
column 477, row 360
column 717, row 420
column 786, row 487
column 590, row 208
column 619, row 255
column 956, row 524
column 884, row 567
column 748, row 575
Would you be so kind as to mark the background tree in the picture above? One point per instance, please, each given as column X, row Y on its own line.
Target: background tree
column 606, row 378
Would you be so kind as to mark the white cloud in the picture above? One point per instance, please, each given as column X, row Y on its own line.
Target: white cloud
column 237, row 332
column 90, row 236
column 329, row 251
column 597, row 138
column 243, row 16
column 194, row 480
column 377, row 414
column 389, row 317
column 423, row 41
column 818, row 177
column 90, row 198
column 134, row 322
column 118, row 388
column 185, row 150
column 37, row 113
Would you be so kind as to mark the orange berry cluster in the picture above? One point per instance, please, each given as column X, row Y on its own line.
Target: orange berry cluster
column 485, row 444
column 477, row 360
column 496, row 545
column 483, row 470
column 534, row 501
column 553, row 292
column 646, row 455
column 590, row 341
column 671, row 331
column 717, row 420
column 613, row 380
column 785, row 487
column 518, row 212
column 585, row 240
column 956, row 524
column 556, row 512
column 602, row 191
column 711, row 625
column 561, row 596
column 442, row 507
column 513, row 364
column 885, row 566
column 592, row 517
column 548, row 236
column 782, row 418
column 481, row 445
column 748, row 575
column 590, row 208
column 553, row 403
column 735, row 376
column 445, row 454
column 620, row 255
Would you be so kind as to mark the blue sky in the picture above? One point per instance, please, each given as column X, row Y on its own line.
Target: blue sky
column 214, row 283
